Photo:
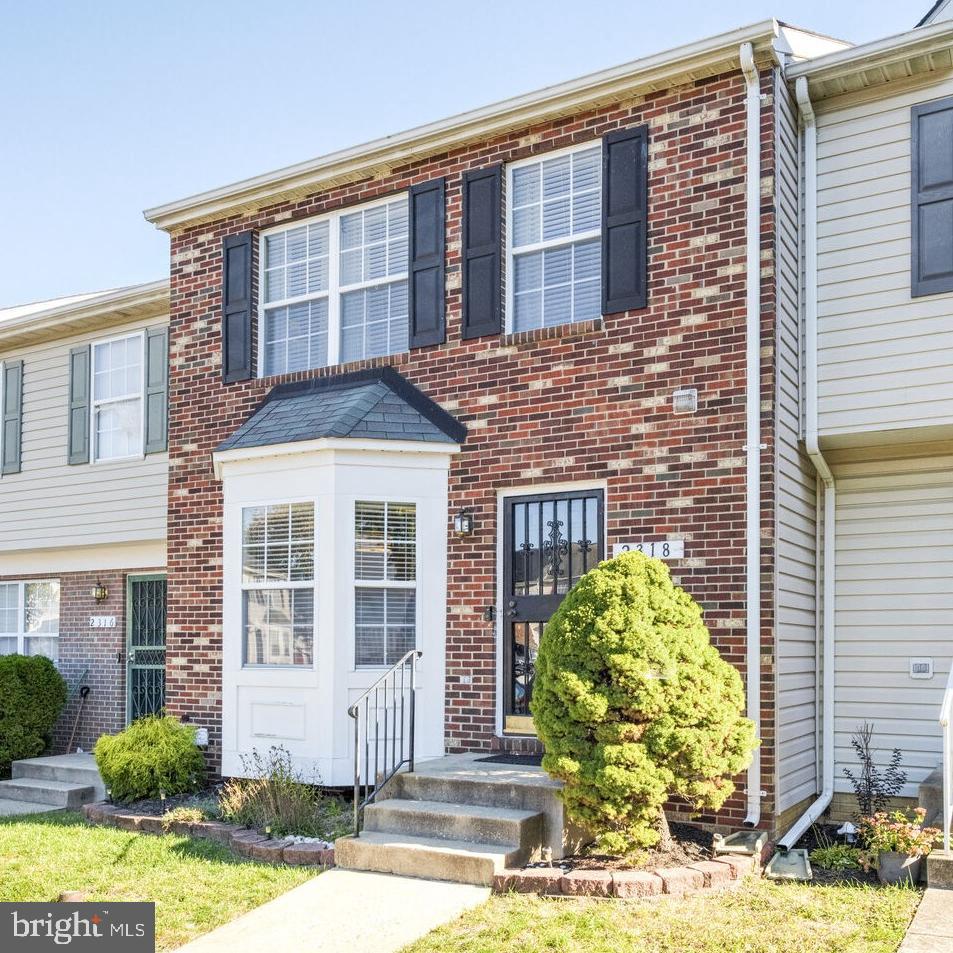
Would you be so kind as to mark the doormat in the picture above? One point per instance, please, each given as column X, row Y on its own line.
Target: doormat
column 526, row 760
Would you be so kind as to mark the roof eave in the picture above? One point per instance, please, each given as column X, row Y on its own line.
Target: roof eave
column 702, row 58
column 132, row 302
column 831, row 74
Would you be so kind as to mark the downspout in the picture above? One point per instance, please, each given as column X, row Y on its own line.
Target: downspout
column 753, row 421
column 812, row 446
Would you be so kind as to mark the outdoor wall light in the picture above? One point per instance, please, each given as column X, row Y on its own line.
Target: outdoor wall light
column 463, row 523
column 685, row 400
column 100, row 592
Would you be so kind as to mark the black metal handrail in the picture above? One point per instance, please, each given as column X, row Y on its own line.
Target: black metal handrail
column 394, row 706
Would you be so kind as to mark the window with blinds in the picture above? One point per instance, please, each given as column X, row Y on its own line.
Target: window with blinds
column 335, row 289
column 117, row 398
column 554, row 241
column 385, row 582
column 30, row 618
column 278, row 591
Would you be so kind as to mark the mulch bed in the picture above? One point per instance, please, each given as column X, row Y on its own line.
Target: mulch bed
column 821, row 835
column 689, row 846
column 156, row 807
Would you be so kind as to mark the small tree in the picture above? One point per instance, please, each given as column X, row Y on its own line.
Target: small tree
column 634, row 704
column 874, row 787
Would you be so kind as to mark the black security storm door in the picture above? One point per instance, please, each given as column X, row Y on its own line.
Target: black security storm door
column 145, row 644
column 549, row 542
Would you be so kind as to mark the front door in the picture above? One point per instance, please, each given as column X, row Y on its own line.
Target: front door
column 549, row 541
column 145, row 645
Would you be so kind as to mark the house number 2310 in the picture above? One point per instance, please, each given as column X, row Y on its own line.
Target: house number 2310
column 667, row 549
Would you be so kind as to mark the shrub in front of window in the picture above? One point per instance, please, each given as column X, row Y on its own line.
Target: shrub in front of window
column 634, row 705
column 32, row 696
column 154, row 756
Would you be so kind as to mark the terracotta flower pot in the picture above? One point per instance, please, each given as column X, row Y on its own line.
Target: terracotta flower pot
column 897, row 868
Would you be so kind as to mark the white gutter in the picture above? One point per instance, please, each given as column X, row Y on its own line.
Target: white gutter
column 812, row 445
column 753, row 420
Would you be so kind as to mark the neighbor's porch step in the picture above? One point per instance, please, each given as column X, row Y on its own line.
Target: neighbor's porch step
column 428, row 857
column 42, row 791
column 74, row 768
column 506, row 827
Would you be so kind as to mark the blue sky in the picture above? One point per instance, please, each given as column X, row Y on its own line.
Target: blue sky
column 112, row 106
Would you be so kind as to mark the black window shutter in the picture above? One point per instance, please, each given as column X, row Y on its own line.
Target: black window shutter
column 931, row 211
column 427, row 289
column 78, row 440
column 482, row 251
column 625, row 189
column 238, row 306
column 157, row 389
column 12, row 415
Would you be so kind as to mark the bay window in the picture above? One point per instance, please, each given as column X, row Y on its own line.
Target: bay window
column 555, row 239
column 335, row 289
column 30, row 618
column 278, row 592
column 385, row 581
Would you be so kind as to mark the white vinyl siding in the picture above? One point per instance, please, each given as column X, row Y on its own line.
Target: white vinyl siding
column 796, row 489
column 554, row 240
column 883, row 356
column 894, row 602
column 335, row 288
column 30, row 617
column 116, row 388
column 278, row 543
column 385, row 581
column 50, row 503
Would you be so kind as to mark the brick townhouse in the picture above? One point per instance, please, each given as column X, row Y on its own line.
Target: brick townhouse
column 417, row 387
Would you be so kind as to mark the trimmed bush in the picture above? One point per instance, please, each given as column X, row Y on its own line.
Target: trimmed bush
column 634, row 705
column 153, row 756
column 32, row 696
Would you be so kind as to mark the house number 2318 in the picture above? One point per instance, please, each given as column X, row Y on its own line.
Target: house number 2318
column 667, row 549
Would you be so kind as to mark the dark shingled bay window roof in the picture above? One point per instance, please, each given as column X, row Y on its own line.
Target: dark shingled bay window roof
column 376, row 404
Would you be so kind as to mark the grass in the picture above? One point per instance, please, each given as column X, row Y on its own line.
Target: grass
column 759, row 917
column 196, row 885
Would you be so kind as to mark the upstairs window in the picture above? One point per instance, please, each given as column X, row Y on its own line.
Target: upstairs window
column 30, row 618
column 117, row 398
column 335, row 289
column 385, row 582
column 278, row 583
column 554, row 240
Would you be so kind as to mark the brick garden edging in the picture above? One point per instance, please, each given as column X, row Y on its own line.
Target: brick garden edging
column 725, row 871
column 242, row 840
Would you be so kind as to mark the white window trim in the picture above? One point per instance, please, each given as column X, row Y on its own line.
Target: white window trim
column 335, row 288
column 94, row 404
column 21, row 635
column 278, row 584
column 541, row 245
column 383, row 584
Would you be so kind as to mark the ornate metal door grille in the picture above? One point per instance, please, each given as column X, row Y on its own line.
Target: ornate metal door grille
column 146, row 644
column 550, row 541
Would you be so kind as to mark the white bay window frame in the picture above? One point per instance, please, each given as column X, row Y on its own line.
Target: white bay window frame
column 95, row 404
column 21, row 634
column 567, row 241
column 335, row 290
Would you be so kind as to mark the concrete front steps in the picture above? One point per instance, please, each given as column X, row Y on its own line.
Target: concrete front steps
column 461, row 825
column 930, row 798
column 59, row 781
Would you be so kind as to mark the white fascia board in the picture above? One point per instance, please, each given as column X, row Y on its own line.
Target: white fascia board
column 666, row 68
column 342, row 444
column 154, row 294
column 892, row 49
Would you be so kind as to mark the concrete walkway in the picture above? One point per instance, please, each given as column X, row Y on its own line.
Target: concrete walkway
column 344, row 911
column 932, row 927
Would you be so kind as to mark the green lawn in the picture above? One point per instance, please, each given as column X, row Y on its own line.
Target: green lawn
column 759, row 917
column 196, row 884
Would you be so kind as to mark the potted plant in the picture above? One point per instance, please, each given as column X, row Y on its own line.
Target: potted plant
column 898, row 843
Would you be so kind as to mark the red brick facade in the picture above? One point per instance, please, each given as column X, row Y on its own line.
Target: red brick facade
column 574, row 403
column 92, row 657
